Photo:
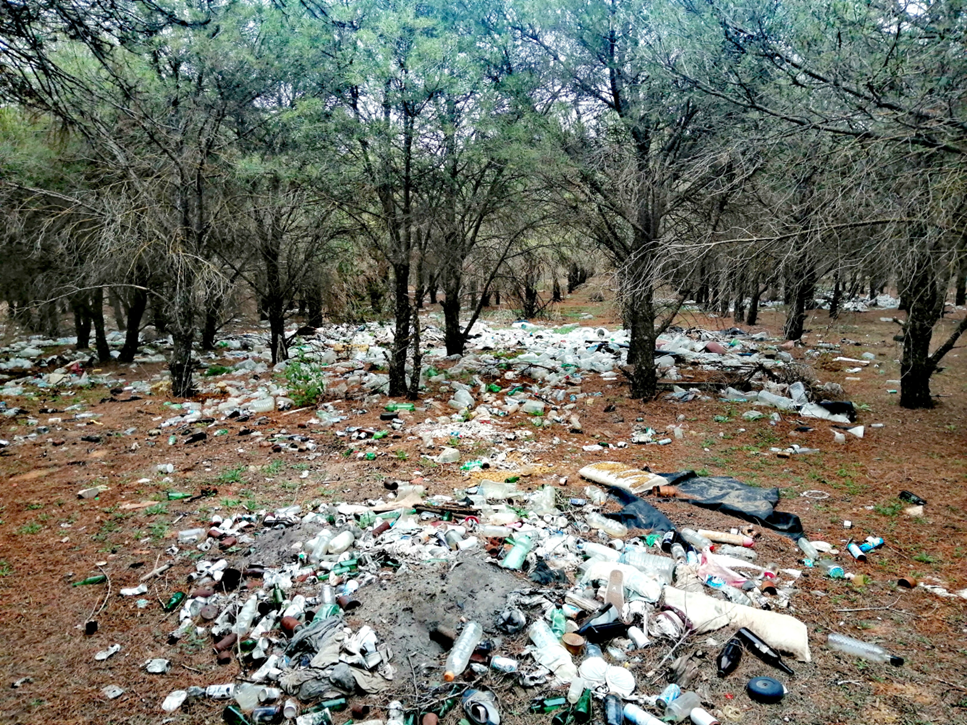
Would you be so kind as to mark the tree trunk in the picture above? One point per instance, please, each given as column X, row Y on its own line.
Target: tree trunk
column 837, row 295
column 433, row 294
column 97, row 318
column 132, row 331
column 213, row 312
column 919, row 294
column 960, row 275
column 497, row 298
column 556, row 291
column 752, row 316
column 414, row 391
column 82, row 321
column 183, row 335
column 314, row 316
column 641, row 350
column 915, row 365
column 117, row 307
column 738, row 309
column 801, row 285
column 401, row 338
column 452, row 332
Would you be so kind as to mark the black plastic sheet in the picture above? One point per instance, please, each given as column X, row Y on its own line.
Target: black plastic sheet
column 730, row 496
column 638, row 514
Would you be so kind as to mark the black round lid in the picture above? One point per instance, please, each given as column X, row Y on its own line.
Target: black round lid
column 765, row 689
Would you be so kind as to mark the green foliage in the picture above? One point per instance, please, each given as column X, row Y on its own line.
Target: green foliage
column 30, row 528
column 305, row 380
column 217, row 370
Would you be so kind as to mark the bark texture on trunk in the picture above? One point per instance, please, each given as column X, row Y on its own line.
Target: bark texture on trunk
column 132, row 331
column 401, row 338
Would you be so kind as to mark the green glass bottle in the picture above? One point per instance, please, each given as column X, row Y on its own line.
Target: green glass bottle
column 96, row 579
column 177, row 495
column 176, row 599
column 233, row 716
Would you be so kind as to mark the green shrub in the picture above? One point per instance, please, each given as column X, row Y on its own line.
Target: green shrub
column 304, row 380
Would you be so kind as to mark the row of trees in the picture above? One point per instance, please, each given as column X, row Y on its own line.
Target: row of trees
column 171, row 150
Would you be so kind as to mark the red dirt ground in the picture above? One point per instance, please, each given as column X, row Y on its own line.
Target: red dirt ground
column 48, row 537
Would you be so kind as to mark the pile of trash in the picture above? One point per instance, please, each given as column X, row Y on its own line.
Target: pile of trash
column 561, row 599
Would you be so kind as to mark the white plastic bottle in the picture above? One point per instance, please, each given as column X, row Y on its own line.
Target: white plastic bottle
column 243, row 623
column 460, row 653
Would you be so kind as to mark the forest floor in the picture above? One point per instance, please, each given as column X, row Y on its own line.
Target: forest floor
column 49, row 537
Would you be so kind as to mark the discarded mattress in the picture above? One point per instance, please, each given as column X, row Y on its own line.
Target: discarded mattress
column 726, row 494
column 781, row 631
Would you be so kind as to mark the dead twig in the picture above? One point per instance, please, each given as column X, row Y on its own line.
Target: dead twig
column 873, row 609
column 667, row 655
column 97, row 609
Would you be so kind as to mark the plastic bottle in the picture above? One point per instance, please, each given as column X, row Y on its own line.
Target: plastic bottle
column 609, row 526
column 858, row 648
column 460, row 653
column 575, row 690
column 243, row 623
column 681, row 707
column 678, row 552
column 612, row 710
column 558, row 623
column 695, row 539
column 832, row 569
column 318, row 545
column 592, row 549
column 342, row 542
column 637, row 716
column 515, row 557
column 541, row 635
column 722, row 537
column 808, row 550
column 660, row 567
column 494, row 532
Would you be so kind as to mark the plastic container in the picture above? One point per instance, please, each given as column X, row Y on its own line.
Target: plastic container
column 593, row 550
column 808, row 550
column 460, row 653
column 722, row 537
column 695, row 539
column 660, row 567
column 243, row 623
column 637, row 716
column 609, row 526
column 832, row 569
column 681, row 707
column 341, row 543
column 858, row 648
column 515, row 557
column 576, row 689
column 262, row 405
